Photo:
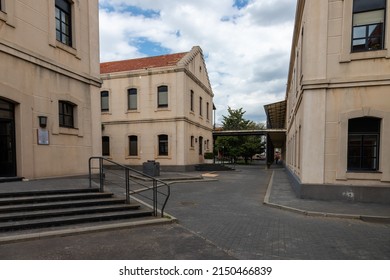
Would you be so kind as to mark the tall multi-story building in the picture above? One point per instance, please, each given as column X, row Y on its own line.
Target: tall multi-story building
column 338, row 101
column 157, row 108
column 49, row 87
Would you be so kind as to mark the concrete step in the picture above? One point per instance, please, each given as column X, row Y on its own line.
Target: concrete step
column 47, row 192
column 38, row 214
column 77, row 219
column 53, row 198
column 59, row 204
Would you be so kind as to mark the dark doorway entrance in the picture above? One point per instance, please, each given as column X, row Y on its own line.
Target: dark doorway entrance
column 7, row 139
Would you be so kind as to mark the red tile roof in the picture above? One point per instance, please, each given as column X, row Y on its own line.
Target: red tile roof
column 141, row 63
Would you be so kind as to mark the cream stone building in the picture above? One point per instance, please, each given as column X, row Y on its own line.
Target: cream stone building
column 338, row 100
column 49, row 87
column 157, row 108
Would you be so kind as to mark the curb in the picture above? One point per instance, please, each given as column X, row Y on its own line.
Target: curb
column 365, row 218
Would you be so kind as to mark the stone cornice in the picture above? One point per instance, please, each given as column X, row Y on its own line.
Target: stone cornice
column 148, row 121
column 41, row 61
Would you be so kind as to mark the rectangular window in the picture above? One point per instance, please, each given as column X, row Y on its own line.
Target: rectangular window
column 163, row 145
column 105, row 146
column 66, row 114
column 363, row 144
column 162, row 96
column 104, row 100
column 63, row 22
column 192, row 101
column 192, row 141
column 133, row 145
column 132, row 99
column 368, row 25
column 207, row 110
column 200, row 106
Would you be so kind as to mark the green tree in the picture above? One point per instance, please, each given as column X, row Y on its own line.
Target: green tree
column 235, row 146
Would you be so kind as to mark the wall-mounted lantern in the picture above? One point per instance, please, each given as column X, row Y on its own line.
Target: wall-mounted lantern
column 42, row 121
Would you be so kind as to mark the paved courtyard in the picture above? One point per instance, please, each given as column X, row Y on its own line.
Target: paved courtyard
column 222, row 219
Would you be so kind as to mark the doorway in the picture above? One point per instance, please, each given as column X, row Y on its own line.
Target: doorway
column 7, row 139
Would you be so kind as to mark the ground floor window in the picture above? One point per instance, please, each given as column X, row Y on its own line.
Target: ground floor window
column 66, row 114
column 163, row 145
column 105, row 146
column 363, row 144
column 133, row 145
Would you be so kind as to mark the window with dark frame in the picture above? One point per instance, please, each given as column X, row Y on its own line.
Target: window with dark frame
column 192, row 101
column 363, row 144
column 162, row 96
column 200, row 106
column 207, row 111
column 163, row 145
column 105, row 146
column 133, row 145
column 104, row 101
column 132, row 99
column 63, row 22
column 66, row 114
column 368, row 27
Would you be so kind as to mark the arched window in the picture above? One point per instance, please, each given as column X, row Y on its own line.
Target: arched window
column 363, row 143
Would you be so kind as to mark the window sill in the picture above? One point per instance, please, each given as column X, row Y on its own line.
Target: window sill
column 132, row 111
column 364, row 175
column 133, row 157
column 66, row 48
column 69, row 131
column 363, row 55
column 162, row 109
column 163, row 157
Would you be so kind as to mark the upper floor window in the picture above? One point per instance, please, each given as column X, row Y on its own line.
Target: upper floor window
column 132, row 99
column 368, row 25
column 363, row 144
column 208, row 110
column 200, row 106
column 192, row 101
column 104, row 101
column 162, row 96
column 63, row 22
column 163, row 145
column 66, row 114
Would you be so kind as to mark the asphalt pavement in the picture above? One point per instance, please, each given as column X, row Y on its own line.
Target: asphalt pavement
column 248, row 213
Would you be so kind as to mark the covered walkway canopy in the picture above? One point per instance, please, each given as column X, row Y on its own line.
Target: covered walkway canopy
column 276, row 123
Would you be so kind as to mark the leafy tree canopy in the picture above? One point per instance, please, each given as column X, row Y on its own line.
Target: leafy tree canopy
column 235, row 146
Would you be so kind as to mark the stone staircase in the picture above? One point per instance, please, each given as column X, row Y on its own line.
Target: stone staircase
column 48, row 208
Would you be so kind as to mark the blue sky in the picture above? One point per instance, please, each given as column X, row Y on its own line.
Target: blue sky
column 246, row 43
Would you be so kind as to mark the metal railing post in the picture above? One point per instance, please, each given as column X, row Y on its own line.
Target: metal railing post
column 155, row 197
column 101, row 175
column 127, row 186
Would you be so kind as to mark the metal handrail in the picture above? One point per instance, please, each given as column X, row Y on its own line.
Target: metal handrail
column 156, row 187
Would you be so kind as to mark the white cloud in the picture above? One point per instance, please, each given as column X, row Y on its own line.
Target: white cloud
column 247, row 49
